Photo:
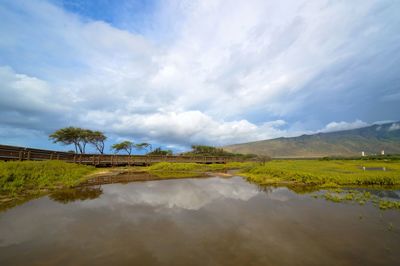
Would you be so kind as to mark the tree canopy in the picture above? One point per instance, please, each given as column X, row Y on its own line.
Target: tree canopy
column 204, row 150
column 159, row 151
column 143, row 146
column 123, row 146
column 79, row 137
column 97, row 138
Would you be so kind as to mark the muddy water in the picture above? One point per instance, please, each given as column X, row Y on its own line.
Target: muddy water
column 210, row 221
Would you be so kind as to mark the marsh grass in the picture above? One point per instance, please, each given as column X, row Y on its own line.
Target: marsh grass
column 194, row 167
column 325, row 173
column 357, row 196
column 176, row 175
column 21, row 180
column 329, row 177
column 32, row 177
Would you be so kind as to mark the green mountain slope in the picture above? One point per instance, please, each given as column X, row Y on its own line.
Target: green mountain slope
column 371, row 140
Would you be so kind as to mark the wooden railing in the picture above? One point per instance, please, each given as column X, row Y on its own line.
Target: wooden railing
column 13, row 153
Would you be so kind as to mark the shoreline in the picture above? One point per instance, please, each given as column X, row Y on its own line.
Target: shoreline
column 299, row 176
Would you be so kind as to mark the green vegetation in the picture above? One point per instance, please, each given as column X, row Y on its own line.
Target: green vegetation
column 159, row 151
column 80, row 138
column 30, row 176
column 128, row 146
column 325, row 173
column 203, row 150
column 360, row 197
column 313, row 175
column 304, row 176
column 73, row 194
column 21, row 180
column 182, row 170
column 167, row 167
column 195, row 167
column 143, row 146
column 123, row 146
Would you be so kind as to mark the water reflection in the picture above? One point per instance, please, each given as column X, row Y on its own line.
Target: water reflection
column 374, row 168
column 73, row 194
column 190, row 194
column 210, row 221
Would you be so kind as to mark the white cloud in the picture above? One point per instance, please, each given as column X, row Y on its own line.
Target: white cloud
column 394, row 126
column 184, row 127
column 22, row 92
column 224, row 61
column 338, row 126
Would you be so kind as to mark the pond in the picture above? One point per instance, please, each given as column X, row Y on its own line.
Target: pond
column 196, row 221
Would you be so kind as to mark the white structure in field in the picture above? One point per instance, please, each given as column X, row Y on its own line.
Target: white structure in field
column 362, row 154
column 382, row 152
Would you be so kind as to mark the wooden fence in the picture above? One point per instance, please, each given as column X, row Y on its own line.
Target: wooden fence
column 13, row 153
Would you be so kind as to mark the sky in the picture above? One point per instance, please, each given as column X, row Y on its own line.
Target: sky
column 215, row 72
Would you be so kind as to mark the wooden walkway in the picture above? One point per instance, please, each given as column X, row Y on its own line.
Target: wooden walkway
column 13, row 153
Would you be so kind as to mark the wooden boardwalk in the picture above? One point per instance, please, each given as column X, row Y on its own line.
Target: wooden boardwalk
column 13, row 153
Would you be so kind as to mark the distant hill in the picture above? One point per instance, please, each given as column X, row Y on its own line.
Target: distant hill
column 372, row 140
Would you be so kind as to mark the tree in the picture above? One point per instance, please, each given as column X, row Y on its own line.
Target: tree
column 80, row 137
column 204, row 150
column 159, row 151
column 142, row 146
column 84, row 137
column 123, row 146
column 263, row 159
column 68, row 136
column 97, row 138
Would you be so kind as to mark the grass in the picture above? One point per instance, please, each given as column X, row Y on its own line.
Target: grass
column 32, row 177
column 306, row 176
column 19, row 180
column 325, row 173
column 193, row 167
column 17, row 177
column 23, row 181
column 167, row 170
column 329, row 174
column 360, row 197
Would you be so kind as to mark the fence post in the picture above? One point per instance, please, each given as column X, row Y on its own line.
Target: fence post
column 29, row 155
column 20, row 155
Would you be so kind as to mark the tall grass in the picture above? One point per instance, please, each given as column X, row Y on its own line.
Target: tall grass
column 325, row 173
column 195, row 167
column 30, row 175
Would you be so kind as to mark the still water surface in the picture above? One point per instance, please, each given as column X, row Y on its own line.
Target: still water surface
column 199, row 221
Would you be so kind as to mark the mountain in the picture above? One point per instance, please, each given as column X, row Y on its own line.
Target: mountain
column 372, row 140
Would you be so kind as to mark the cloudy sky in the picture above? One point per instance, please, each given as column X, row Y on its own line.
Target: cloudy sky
column 183, row 72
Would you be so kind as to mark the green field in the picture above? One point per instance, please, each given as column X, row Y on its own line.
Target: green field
column 22, row 181
column 17, row 177
column 323, row 173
